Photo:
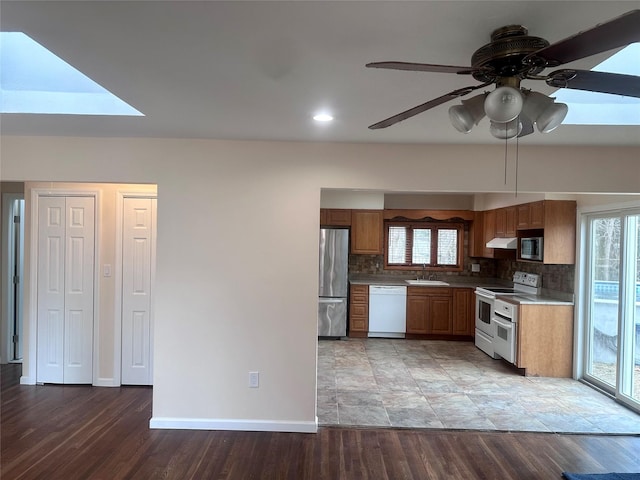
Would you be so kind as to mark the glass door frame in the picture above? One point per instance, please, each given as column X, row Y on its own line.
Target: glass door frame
column 626, row 302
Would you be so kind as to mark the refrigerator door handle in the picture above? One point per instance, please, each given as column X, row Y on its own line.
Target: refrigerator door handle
column 332, row 300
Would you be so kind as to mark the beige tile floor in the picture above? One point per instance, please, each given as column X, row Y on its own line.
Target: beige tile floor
column 437, row 384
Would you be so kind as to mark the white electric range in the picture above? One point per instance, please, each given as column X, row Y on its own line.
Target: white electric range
column 523, row 283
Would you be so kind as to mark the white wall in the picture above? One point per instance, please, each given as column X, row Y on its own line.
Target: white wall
column 351, row 199
column 427, row 201
column 237, row 247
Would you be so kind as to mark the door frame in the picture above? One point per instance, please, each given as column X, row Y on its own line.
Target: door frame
column 582, row 307
column 117, row 271
column 30, row 346
column 8, row 259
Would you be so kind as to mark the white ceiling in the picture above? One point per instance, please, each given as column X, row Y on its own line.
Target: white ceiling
column 259, row 70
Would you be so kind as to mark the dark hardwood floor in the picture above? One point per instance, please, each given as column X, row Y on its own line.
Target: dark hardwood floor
column 78, row 432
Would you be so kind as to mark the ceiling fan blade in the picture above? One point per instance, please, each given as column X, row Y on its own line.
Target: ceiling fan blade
column 604, row 82
column 425, row 106
column 619, row 32
column 422, row 67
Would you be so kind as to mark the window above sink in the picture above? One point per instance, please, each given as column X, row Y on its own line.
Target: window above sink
column 433, row 246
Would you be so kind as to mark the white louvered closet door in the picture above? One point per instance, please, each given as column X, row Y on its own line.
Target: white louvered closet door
column 138, row 261
column 66, row 248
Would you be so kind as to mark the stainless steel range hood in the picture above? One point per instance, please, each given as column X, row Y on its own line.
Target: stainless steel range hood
column 505, row 243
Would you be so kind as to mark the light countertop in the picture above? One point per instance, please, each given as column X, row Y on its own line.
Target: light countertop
column 547, row 297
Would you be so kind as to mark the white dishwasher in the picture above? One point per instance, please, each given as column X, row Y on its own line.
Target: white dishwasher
column 387, row 311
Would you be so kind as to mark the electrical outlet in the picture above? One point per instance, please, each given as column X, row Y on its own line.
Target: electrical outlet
column 254, row 379
column 475, row 267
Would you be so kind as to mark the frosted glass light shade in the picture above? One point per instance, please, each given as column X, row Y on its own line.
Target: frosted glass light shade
column 542, row 110
column 506, row 130
column 503, row 104
column 464, row 117
column 552, row 117
column 461, row 119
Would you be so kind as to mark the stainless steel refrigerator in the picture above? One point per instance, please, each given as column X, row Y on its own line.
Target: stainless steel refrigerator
column 334, row 263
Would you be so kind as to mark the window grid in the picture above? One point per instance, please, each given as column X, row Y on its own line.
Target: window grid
column 413, row 245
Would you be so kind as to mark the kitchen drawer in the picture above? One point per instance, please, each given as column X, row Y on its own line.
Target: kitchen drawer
column 359, row 298
column 420, row 291
column 359, row 289
column 358, row 324
column 361, row 310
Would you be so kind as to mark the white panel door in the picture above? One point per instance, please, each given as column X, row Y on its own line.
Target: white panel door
column 138, row 260
column 51, row 253
column 79, row 265
column 66, row 242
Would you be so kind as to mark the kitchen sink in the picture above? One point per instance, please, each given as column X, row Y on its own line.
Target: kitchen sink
column 428, row 283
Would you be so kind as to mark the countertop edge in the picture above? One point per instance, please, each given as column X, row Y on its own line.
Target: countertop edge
column 548, row 297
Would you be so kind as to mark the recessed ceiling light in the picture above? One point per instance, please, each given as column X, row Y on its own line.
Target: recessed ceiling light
column 322, row 117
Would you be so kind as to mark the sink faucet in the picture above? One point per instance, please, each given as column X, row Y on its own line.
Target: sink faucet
column 424, row 268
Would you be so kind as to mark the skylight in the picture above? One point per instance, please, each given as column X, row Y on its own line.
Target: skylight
column 590, row 108
column 34, row 80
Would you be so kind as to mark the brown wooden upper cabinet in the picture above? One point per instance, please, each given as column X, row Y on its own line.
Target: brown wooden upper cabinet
column 506, row 222
column 531, row 215
column 367, row 232
column 489, row 232
column 483, row 230
column 555, row 221
column 335, row 217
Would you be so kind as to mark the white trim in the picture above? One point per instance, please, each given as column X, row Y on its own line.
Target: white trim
column 117, row 271
column 233, row 424
column 105, row 382
column 581, row 287
column 32, row 348
column 582, row 314
column 6, row 281
column 608, row 207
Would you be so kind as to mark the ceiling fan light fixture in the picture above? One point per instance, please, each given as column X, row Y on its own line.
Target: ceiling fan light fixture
column 552, row 117
column 503, row 104
column 461, row 118
column 506, row 130
column 464, row 117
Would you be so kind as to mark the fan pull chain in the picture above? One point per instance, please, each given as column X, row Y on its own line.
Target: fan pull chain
column 505, row 153
column 517, row 152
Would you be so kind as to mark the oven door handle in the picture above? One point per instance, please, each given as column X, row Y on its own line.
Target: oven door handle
column 502, row 323
column 482, row 295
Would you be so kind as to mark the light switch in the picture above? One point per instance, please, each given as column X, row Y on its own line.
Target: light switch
column 106, row 270
column 475, row 267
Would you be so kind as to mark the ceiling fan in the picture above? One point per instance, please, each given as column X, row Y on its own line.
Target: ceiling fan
column 513, row 56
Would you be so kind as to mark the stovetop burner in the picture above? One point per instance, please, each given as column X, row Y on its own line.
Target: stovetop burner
column 523, row 283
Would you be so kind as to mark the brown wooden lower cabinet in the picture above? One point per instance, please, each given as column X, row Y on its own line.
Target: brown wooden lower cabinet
column 437, row 311
column 417, row 312
column 464, row 308
column 434, row 311
column 358, row 310
column 545, row 340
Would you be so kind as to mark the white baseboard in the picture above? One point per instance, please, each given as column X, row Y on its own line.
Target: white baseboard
column 105, row 382
column 27, row 380
column 232, row 424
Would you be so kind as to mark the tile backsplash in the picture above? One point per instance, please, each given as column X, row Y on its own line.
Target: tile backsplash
column 554, row 277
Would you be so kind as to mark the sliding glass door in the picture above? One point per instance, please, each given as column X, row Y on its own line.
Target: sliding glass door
column 612, row 340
